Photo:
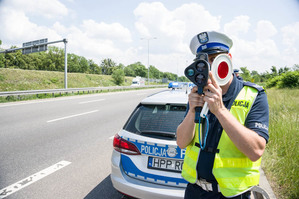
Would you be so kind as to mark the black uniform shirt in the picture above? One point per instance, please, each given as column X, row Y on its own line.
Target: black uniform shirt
column 257, row 120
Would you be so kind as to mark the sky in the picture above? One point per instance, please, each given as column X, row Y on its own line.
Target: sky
column 265, row 33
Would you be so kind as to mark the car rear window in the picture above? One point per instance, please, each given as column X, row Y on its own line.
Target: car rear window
column 159, row 121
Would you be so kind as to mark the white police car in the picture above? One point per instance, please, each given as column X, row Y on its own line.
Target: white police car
column 146, row 161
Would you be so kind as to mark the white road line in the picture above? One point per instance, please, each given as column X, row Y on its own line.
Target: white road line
column 31, row 179
column 85, row 102
column 62, row 118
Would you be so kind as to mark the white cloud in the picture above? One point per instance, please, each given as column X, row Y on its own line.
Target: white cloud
column 265, row 30
column 114, row 31
column 240, row 24
column 290, row 34
column 17, row 27
column 48, row 9
column 173, row 28
column 96, row 40
column 290, row 38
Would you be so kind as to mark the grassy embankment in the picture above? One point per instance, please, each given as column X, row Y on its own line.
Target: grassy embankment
column 281, row 158
column 17, row 79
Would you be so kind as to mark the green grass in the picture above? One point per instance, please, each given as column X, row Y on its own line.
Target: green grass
column 281, row 158
column 17, row 79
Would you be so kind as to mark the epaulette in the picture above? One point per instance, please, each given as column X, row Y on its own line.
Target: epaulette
column 253, row 85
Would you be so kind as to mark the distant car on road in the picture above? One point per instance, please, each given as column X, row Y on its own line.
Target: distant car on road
column 138, row 81
column 146, row 161
column 173, row 85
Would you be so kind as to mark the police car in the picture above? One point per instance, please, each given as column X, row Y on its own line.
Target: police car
column 146, row 161
column 173, row 85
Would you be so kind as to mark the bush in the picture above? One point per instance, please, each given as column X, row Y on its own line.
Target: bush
column 118, row 76
column 286, row 80
column 289, row 80
column 273, row 82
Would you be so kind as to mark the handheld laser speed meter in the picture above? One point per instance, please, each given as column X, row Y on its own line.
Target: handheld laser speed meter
column 198, row 73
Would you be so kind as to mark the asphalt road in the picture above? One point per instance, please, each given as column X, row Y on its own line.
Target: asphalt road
column 61, row 148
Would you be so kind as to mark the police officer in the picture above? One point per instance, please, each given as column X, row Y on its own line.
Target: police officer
column 224, row 161
column 236, row 72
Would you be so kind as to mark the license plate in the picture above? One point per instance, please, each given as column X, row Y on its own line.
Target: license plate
column 165, row 164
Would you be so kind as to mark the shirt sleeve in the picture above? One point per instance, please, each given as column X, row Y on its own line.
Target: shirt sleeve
column 258, row 117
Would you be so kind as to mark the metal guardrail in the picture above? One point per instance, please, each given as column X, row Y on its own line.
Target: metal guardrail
column 74, row 90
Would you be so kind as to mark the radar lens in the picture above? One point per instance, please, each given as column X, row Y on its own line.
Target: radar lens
column 200, row 79
column 190, row 72
column 201, row 66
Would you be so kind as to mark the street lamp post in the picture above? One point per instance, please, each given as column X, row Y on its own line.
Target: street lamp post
column 148, row 39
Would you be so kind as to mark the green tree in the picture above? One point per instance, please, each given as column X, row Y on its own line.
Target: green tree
column 296, row 67
column 83, row 65
column 93, row 67
column 55, row 59
column 183, row 79
column 107, row 66
column 283, row 70
column 255, row 76
column 170, row 76
column 154, row 72
column 274, row 70
column 129, row 71
column 138, row 68
column 73, row 63
column 2, row 61
column 118, row 76
column 246, row 74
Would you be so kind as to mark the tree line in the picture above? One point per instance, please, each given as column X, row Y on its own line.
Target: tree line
column 53, row 60
column 281, row 78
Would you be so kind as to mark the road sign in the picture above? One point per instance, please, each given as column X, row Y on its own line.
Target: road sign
column 35, row 46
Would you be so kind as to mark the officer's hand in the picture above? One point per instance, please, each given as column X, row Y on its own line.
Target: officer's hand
column 213, row 95
column 195, row 99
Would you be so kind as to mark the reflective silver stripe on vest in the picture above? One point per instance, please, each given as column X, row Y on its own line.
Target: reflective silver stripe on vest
column 207, row 186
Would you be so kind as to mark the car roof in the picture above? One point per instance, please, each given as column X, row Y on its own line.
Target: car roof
column 179, row 96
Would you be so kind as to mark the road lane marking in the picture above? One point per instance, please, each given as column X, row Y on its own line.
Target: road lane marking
column 85, row 102
column 70, row 116
column 31, row 179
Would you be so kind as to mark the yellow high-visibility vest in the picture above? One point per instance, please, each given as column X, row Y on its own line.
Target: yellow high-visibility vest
column 234, row 172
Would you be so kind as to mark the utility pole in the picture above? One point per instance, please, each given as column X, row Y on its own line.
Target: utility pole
column 148, row 39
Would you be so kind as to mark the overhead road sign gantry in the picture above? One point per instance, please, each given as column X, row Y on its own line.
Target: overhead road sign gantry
column 35, row 46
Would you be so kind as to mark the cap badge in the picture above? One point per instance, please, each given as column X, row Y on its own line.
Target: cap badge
column 203, row 37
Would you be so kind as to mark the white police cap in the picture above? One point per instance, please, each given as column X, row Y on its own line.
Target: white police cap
column 210, row 42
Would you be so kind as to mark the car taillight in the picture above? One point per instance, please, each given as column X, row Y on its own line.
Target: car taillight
column 124, row 146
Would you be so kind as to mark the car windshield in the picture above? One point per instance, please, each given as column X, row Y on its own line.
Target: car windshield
column 159, row 121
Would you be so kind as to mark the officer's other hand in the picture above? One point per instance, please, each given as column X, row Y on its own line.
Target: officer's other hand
column 195, row 99
column 213, row 95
